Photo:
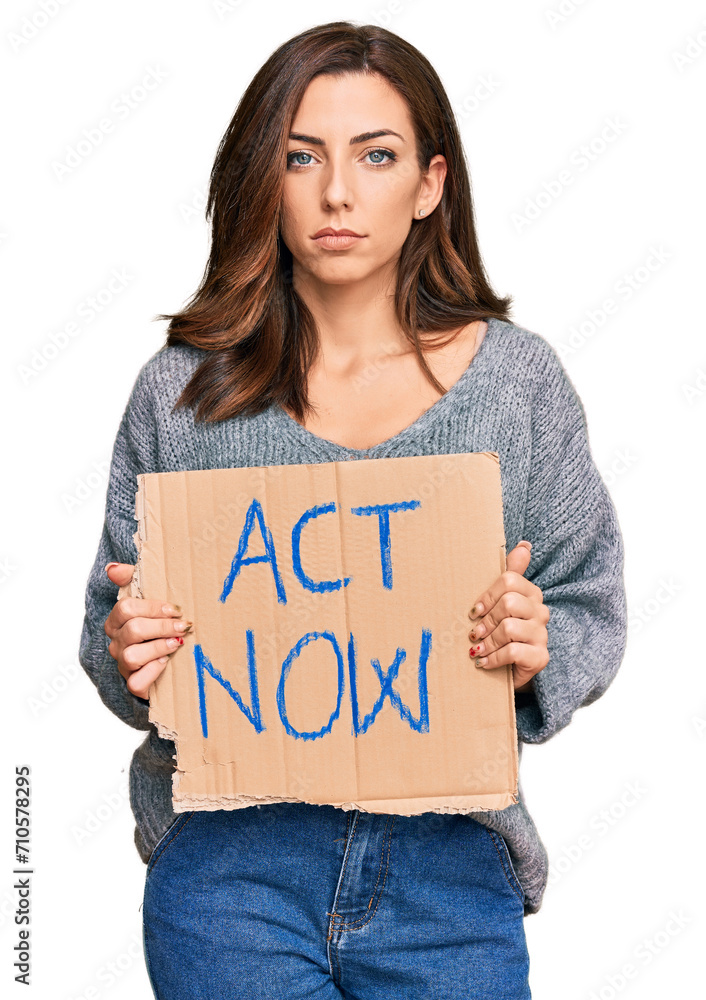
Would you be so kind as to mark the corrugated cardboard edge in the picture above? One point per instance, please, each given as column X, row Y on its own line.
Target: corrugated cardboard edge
column 134, row 589
column 513, row 798
column 501, row 800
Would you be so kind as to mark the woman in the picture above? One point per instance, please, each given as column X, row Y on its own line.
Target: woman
column 305, row 345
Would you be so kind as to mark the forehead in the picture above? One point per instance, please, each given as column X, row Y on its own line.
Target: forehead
column 349, row 104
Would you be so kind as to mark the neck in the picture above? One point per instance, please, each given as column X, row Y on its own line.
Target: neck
column 356, row 320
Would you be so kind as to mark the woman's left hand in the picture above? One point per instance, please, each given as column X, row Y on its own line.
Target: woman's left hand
column 512, row 622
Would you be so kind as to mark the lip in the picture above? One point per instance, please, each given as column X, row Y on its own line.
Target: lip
column 337, row 242
column 336, row 239
column 328, row 231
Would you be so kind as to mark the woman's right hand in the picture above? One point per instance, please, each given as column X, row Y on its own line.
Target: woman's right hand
column 142, row 632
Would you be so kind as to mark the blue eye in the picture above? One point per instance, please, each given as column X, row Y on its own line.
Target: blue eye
column 290, row 161
column 391, row 157
column 383, row 152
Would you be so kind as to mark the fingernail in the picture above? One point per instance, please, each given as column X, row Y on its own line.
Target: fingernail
column 482, row 660
column 175, row 641
column 477, row 609
column 108, row 565
column 163, row 659
column 171, row 609
column 182, row 626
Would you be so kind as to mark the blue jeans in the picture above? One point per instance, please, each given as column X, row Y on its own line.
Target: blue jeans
column 296, row 900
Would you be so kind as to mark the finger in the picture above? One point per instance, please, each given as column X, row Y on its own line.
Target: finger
column 527, row 658
column 506, row 582
column 136, row 656
column 510, row 605
column 141, row 629
column 141, row 680
column 141, row 607
column 518, row 559
column 120, row 573
column 510, row 630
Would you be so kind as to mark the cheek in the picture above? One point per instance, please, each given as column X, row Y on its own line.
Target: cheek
column 391, row 208
column 292, row 235
column 389, row 228
column 294, row 214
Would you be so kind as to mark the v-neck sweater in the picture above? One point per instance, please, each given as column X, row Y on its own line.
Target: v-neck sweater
column 514, row 398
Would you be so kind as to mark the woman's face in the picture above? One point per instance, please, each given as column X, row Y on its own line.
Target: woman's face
column 340, row 176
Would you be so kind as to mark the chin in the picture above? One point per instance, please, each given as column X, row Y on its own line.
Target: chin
column 343, row 277
column 338, row 272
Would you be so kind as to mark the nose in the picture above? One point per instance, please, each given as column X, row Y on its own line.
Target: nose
column 337, row 183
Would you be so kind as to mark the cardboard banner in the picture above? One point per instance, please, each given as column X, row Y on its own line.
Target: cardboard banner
column 328, row 660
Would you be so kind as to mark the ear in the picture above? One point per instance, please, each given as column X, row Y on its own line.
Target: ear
column 431, row 186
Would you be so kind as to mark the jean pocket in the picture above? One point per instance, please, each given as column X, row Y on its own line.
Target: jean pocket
column 506, row 863
column 167, row 838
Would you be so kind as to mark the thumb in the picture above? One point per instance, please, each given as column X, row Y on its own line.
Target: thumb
column 120, row 573
column 518, row 559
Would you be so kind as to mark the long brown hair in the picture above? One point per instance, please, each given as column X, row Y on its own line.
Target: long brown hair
column 259, row 334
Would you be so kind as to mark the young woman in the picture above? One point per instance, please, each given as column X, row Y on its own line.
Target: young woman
column 345, row 314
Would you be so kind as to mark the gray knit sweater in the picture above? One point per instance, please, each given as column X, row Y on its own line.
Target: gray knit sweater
column 515, row 398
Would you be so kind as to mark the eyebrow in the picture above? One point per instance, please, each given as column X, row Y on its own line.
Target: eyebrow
column 363, row 137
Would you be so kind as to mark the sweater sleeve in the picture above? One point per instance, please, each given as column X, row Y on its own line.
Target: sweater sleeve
column 577, row 560
column 134, row 451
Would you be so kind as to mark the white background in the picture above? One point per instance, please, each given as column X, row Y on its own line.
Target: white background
column 617, row 796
